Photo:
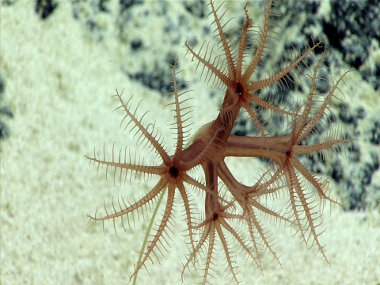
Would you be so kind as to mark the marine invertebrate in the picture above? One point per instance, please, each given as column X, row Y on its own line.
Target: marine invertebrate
column 238, row 204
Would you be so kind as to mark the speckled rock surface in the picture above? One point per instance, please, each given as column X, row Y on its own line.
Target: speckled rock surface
column 60, row 63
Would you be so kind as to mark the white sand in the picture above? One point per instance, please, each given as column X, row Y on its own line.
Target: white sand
column 59, row 86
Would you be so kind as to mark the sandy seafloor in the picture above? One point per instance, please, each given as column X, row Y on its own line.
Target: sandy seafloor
column 59, row 85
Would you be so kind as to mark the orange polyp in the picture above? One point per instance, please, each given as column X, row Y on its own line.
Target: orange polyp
column 235, row 209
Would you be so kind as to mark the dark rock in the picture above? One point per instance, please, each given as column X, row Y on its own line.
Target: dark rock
column 44, row 8
column 158, row 77
column 346, row 114
column 4, row 131
column 2, row 86
column 337, row 172
column 102, row 6
column 126, row 4
column 136, row 44
column 351, row 26
column 5, row 111
column 358, row 182
column 197, row 8
column 371, row 74
column 375, row 133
